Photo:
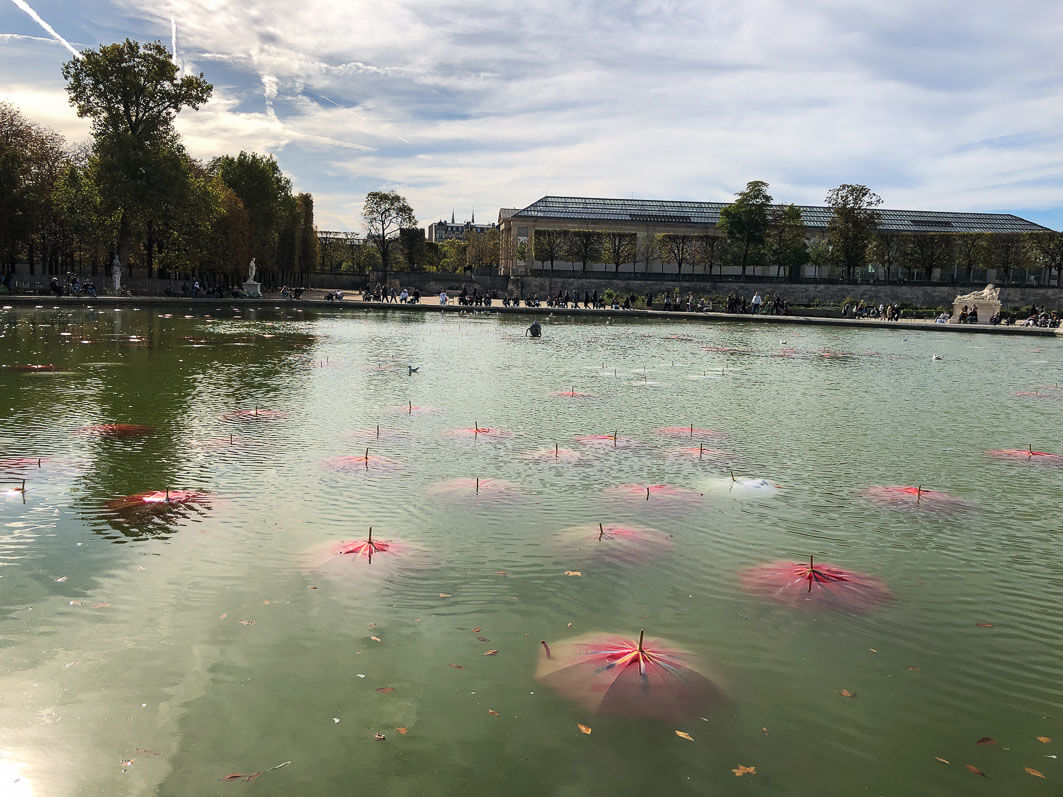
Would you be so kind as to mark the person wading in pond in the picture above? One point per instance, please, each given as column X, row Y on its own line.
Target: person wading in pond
column 535, row 330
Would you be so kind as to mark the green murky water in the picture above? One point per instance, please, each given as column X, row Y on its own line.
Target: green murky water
column 156, row 650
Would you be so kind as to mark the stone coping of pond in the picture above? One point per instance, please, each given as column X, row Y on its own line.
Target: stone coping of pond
column 432, row 305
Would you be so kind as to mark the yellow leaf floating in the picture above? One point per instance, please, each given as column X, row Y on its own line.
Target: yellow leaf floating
column 1044, row 739
column 741, row 770
column 583, row 728
column 573, row 573
column 1034, row 772
column 490, row 652
column 942, row 760
column 684, row 735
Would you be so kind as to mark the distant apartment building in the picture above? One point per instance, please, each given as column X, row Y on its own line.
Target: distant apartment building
column 444, row 230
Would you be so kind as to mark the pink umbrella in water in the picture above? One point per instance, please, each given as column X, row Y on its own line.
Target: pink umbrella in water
column 914, row 497
column 687, row 431
column 617, row 541
column 648, row 678
column 554, row 454
column 253, row 415
column 117, row 429
column 365, row 462
column 474, row 488
column 605, row 440
column 657, row 495
column 478, row 432
column 1026, row 455
column 810, row 585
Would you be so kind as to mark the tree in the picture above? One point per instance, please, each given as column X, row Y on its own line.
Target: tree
column 453, row 258
column 970, row 248
column 711, row 251
column 411, row 242
column 619, row 248
column 546, row 246
column 786, row 240
column 676, row 248
column 385, row 213
column 132, row 93
column 1007, row 254
column 853, row 221
column 745, row 223
column 886, row 251
column 582, row 246
column 1046, row 250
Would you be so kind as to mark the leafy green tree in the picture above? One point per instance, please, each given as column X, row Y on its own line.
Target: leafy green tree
column 711, row 251
column 931, row 252
column 619, row 248
column 546, row 246
column 582, row 246
column 453, row 258
column 745, row 223
column 971, row 249
column 819, row 256
column 1045, row 249
column 851, row 225
column 886, row 251
column 412, row 243
column 132, row 93
column 1008, row 254
column 385, row 213
column 786, row 240
column 678, row 248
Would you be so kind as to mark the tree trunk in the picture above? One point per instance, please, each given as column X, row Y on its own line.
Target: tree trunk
column 125, row 240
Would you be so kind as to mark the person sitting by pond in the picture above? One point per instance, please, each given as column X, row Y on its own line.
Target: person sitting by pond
column 443, row 297
column 535, row 330
column 55, row 287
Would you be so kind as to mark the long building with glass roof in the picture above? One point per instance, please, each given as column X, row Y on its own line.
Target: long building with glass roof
column 651, row 217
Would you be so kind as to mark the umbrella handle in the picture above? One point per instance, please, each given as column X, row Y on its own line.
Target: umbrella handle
column 546, row 648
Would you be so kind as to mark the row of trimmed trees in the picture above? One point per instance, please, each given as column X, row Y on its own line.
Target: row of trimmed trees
column 135, row 193
column 755, row 233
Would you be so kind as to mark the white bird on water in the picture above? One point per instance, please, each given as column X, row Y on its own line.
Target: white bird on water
column 936, row 357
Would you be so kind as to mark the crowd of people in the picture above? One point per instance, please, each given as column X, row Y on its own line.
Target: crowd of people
column 860, row 309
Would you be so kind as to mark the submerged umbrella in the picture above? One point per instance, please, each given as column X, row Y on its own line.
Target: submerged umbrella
column 658, row 495
column 483, row 488
column 157, row 500
column 616, row 540
column 256, row 414
column 701, row 453
column 605, row 440
column 118, row 429
column 346, row 557
column 742, row 487
column 573, row 393
column 481, row 432
column 553, row 454
column 21, row 463
column 915, row 497
column 687, row 431
column 609, row 674
column 1026, row 455
column 365, row 462
column 364, row 549
column 815, row 585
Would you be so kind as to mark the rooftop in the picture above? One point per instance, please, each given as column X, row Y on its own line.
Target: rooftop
column 669, row 212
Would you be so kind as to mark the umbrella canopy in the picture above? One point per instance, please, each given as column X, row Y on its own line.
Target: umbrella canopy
column 365, row 549
column 365, row 462
column 815, row 586
column 741, row 487
column 117, row 429
column 554, row 454
column 610, row 674
column 571, row 394
column 1026, row 455
column 657, row 494
column 918, row 497
column 605, row 440
column 478, row 487
column 687, row 431
column 31, row 368
column 12, row 464
column 481, row 432
column 412, row 409
column 256, row 414
column 616, row 540
column 157, row 499
column 701, row 453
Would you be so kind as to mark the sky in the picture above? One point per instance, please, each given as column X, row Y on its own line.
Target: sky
column 470, row 106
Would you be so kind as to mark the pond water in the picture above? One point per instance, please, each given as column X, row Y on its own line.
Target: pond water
column 157, row 647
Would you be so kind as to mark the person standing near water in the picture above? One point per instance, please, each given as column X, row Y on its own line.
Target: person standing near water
column 757, row 302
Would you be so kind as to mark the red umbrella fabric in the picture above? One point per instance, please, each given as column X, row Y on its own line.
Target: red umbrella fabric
column 914, row 497
column 477, row 487
column 12, row 464
column 118, row 429
column 1026, row 455
column 365, row 462
column 617, row 540
column 811, row 585
column 571, row 394
column 701, row 453
column 655, row 494
column 31, row 368
column 413, row 409
column 481, row 433
column 158, row 499
column 605, row 440
column 554, row 454
column 647, row 678
column 365, row 549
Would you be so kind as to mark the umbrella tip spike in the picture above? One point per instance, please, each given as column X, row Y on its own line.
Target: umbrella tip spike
column 642, row 634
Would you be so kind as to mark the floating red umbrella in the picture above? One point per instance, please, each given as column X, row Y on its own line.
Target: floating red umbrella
column 701, row 453
column 605, row 440
column 815, row 585
column 31, row 368
column 365, row 462
column 915, row 497
column 1026, row 455
column 573, row 393
column 616, row 540
column 118, row 429
column 253, row 415
column 656, row 494
column 687, row 431
column 157, row 499
column 648, row 678
column 10, row 464
column 378, row 433
column 365, row 549
column 481, row 433
column 412, row 409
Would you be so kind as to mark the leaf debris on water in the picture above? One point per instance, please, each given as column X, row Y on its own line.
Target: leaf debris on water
column 684, row 735
column 942, row 760
column 986, row 740
column 1044, row 739
column 1034, row 772
column 573, row 573
column 741, row 770
column 583, row 728
column 490, row 652
column 847, row 693
column 976, row 770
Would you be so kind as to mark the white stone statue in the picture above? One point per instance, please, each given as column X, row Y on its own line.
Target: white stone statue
column 116, row 274
column 987, row 294
column 251, row 268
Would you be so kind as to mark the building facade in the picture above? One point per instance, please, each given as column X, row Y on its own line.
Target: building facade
column 444, row 230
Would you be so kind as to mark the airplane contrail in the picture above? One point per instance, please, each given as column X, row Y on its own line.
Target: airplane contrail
column 37, row 18
column 173, row 40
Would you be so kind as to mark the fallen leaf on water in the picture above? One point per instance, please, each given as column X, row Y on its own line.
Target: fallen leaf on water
column 501, row 573
column 247, row 622
column 1034, row 772
column 847, row 693
column 455, row 666
column 223, row 615
column 242, row 776
column 913, row 669
column 570, row 625
column 61, row 579
column 984, row 625
column 375, row 638
column 311, row 587
column 100, row 605
column 490, row 652
column 986, row 740
column 372, row 625
column 573, row 573
column 975, row 770
column 403, row 731
column 146, row 752
column 265, row 603
column 445, row 595
column 75, row 603
column 942, row 760
column 492, row 712
column 386, row 690
column 583, row 728
column 684, row 735
column 1044, row 739
column 477, row 630
column 873, row 650
column 741, row 770
column 379, row 737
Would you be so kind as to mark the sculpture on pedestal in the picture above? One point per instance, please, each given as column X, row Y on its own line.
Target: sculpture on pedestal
column 251, row 269
column 116, row 274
